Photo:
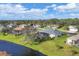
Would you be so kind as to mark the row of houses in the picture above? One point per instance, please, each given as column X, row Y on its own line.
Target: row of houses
column 17, row 29
column 23, row 28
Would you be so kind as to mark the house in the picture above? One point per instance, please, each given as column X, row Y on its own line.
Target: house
column 10, row 25
column 73, row 40
column 36, row 26
column 54, row 27
column 18, row 30
column 22, row 25
column 22, row 29
column 40, row 36
column 73, row 29
column 51, row 33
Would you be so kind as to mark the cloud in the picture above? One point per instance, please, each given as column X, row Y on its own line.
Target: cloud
column 10, row 8
column 36, row 11
column 74, row 15
column 51, row 6
column 18, row 11
column 69, row 6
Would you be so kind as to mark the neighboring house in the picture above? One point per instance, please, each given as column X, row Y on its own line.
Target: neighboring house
column 36, row 26
column 54, row 27
column 18, row 30
column 40, row 36
column 10, row 25
column 51, row 33
column 23, row 29
column 73, row 29
column 73, row 40
column 22, row 25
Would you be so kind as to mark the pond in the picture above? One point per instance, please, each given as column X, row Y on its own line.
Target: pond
column 18, row 50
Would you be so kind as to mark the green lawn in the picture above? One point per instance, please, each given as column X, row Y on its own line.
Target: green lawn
column 55, row 47
column 63, row 29
column 12, row 38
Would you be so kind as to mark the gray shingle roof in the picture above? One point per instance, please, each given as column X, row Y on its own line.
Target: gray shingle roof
column 51, row 31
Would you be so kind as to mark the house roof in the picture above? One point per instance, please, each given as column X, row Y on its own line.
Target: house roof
column 19, row 28
column 75, row 37
column 23, row 28
column 73, row 27
column 50, row 31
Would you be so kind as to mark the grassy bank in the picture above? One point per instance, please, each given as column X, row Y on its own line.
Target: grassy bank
column 56, row 47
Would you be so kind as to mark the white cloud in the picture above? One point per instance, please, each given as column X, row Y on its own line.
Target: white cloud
column 74, row 15
column 19, row 11
column 69, row 6
column 18, row 8
column 10, row 8
column 51, row 6
column 36, row 11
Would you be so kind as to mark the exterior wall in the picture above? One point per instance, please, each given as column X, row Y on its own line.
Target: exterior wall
column 51, row 35
column 70, row 42
column 72, row 29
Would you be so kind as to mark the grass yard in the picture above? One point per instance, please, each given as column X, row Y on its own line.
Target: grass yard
column 12, row 38
column 63, row 29
column 56, row 47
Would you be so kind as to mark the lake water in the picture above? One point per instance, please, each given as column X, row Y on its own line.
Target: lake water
column 17, row 50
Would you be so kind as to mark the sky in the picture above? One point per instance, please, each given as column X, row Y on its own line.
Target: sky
column 36, row 11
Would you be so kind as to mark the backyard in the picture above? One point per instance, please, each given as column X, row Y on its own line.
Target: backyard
column 54, row 47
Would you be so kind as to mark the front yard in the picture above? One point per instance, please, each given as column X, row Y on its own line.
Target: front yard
column 56, row 47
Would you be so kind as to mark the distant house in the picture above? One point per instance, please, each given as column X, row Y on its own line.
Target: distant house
column 11, row 25
column 36, row 26
column 49, row 32
column 73, row 40
column 54, row 27
column 21, row 29
column 73, row 29
column 22, row 25
column 18, row 30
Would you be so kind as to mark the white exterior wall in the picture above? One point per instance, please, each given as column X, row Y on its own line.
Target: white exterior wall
column 70, row 42
column 73, row 29
column 22, row 26
column 51, row 35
